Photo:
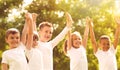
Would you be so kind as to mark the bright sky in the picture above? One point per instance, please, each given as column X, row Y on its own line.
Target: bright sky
column 117, row 3
column 15, row 12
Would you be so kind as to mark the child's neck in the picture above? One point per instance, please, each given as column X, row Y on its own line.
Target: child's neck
column 42, row 40
column 105, row 49
column 76, row 47
column 12, row 47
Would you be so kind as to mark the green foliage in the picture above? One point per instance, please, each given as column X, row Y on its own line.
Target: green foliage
column 101, row 11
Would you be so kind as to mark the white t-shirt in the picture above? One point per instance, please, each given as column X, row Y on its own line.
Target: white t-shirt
column 107, row 59
column 35, row 59
column 78, row 59
column 15, row 58
column 47, row 49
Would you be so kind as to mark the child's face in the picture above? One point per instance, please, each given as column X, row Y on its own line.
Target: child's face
column 76, row 41
column 46, row 33
column 104, row 44
column 13, row 40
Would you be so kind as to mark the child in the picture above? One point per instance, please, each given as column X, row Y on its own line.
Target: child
column 105, row 55
column 14, row 58
column 33, row 54
column 45, row 32
column 75, row 48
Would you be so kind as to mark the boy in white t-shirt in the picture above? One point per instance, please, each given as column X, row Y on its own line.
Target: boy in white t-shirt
column 45, row 32
column 75, row 49
column 106, row 55
column 14, row 58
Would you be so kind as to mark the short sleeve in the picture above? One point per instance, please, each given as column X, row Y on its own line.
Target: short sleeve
column 97, row 54
column 112, row 49
column 4, row 58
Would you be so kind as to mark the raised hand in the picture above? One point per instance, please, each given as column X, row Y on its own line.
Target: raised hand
column 34, row 16
column 117, row 19
column 69, row 19
column 89, row 21
column 28, row 16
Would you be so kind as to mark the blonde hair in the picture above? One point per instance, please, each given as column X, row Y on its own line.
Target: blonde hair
column 43, row 24
column 77, row 34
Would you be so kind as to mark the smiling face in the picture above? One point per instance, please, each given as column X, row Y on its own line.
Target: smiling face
column 76, row 40
column 46, row 33
column 104, row 43
column 13, row 38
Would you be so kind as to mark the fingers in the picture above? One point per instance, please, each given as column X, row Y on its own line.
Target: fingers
column 89, row 21
column 28, row 16
column 69, row 18
column 34, row 15
column 117, row 19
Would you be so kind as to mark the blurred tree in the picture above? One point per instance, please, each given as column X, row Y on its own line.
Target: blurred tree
column 101, row 11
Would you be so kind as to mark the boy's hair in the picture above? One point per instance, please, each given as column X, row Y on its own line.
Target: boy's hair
column 104, row 37
column 11, row 31
column 43, row 24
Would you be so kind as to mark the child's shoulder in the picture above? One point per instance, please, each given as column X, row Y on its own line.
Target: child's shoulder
column 7, row 52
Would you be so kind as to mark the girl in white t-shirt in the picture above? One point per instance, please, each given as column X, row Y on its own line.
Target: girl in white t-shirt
column 75, row 49
column 106, row 54
column 35, row 59
column 45, row 32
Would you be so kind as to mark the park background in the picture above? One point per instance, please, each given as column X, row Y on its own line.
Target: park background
column 101, row 11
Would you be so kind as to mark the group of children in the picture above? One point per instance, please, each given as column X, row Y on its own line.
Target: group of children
column 34, row 50
column 75, row 48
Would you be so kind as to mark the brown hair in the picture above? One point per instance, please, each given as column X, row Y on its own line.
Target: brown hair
column 104, row 37
column 65, row 47
column 11, row 31
column 43, row 24
column 35, row 36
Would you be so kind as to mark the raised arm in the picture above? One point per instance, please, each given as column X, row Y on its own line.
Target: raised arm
column 116, row 38
column 30, row 32
column 60, row 37
column 24, row 31
column 27, row 36
column 34, row 16
column 85, row 37
column 93, row 40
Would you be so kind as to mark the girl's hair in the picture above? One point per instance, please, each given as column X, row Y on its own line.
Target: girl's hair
column 35, row 36
column 11, row 31
column 77, row 34
column 43, row 24
column 65, row 47
column 104, row 37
